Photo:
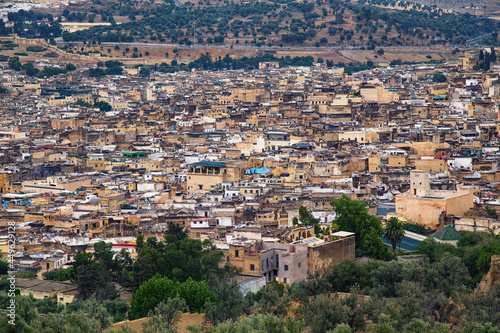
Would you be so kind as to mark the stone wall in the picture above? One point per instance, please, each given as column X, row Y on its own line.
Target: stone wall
column 322, row 256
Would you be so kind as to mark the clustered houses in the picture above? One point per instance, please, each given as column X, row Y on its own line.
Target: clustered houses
column 231, row 156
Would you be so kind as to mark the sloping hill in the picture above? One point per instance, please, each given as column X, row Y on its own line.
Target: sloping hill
column 285, row 22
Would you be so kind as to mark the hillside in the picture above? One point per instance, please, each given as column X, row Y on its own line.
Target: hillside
column 368, row 24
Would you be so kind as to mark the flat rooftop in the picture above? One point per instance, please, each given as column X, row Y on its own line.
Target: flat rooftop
column 43, row 285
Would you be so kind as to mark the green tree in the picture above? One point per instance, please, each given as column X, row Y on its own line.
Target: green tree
column 274, row 299
column 416, row 228
column 80, row 316
column 139, row 243
column 302, row 290
column 14, row 63
column 229, row 302
column 144, row 72
column 394, row 232
column 63, row 274
column 178, row 259
column 219, row 39
column 324, row 313
column 473, row 238
column 50, row 71
column 150, row 294
column 306, row 216
column 123, row 264
column 165, row 316
column 94, row 309
column 93, row 273
column 103, row 106
column 4, row 267
column 352, row 216
column 434, row 250
column 386, row 278
column 116, row 308
column 196, row 294
column 262, row 323
column 95, row 280
column 448, row 276
column 70, row 67
column 341, row 328
column 480, row 308
column 438, row 77
column 177, row 231
column 30, row 69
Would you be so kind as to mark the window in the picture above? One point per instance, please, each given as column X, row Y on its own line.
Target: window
column 197, row 234
column 286, row 267
column 227, row 258
column 284, row 280
column 236, row 253
column 267, row 262
column 300, row 264
column 252, row 267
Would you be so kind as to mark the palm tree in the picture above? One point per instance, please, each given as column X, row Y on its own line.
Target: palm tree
column 394, row 231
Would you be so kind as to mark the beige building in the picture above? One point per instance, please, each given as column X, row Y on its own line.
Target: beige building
column 286, row 263
column 201, row 176
column 55, row 185
column 423, row 205
column 431, row 164
column 378, row 94
column 63, row 292
column 274, row 140
column 359, row 136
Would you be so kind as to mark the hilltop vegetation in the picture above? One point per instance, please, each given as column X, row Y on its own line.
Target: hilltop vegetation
column 297, row 23
column 268, row 22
